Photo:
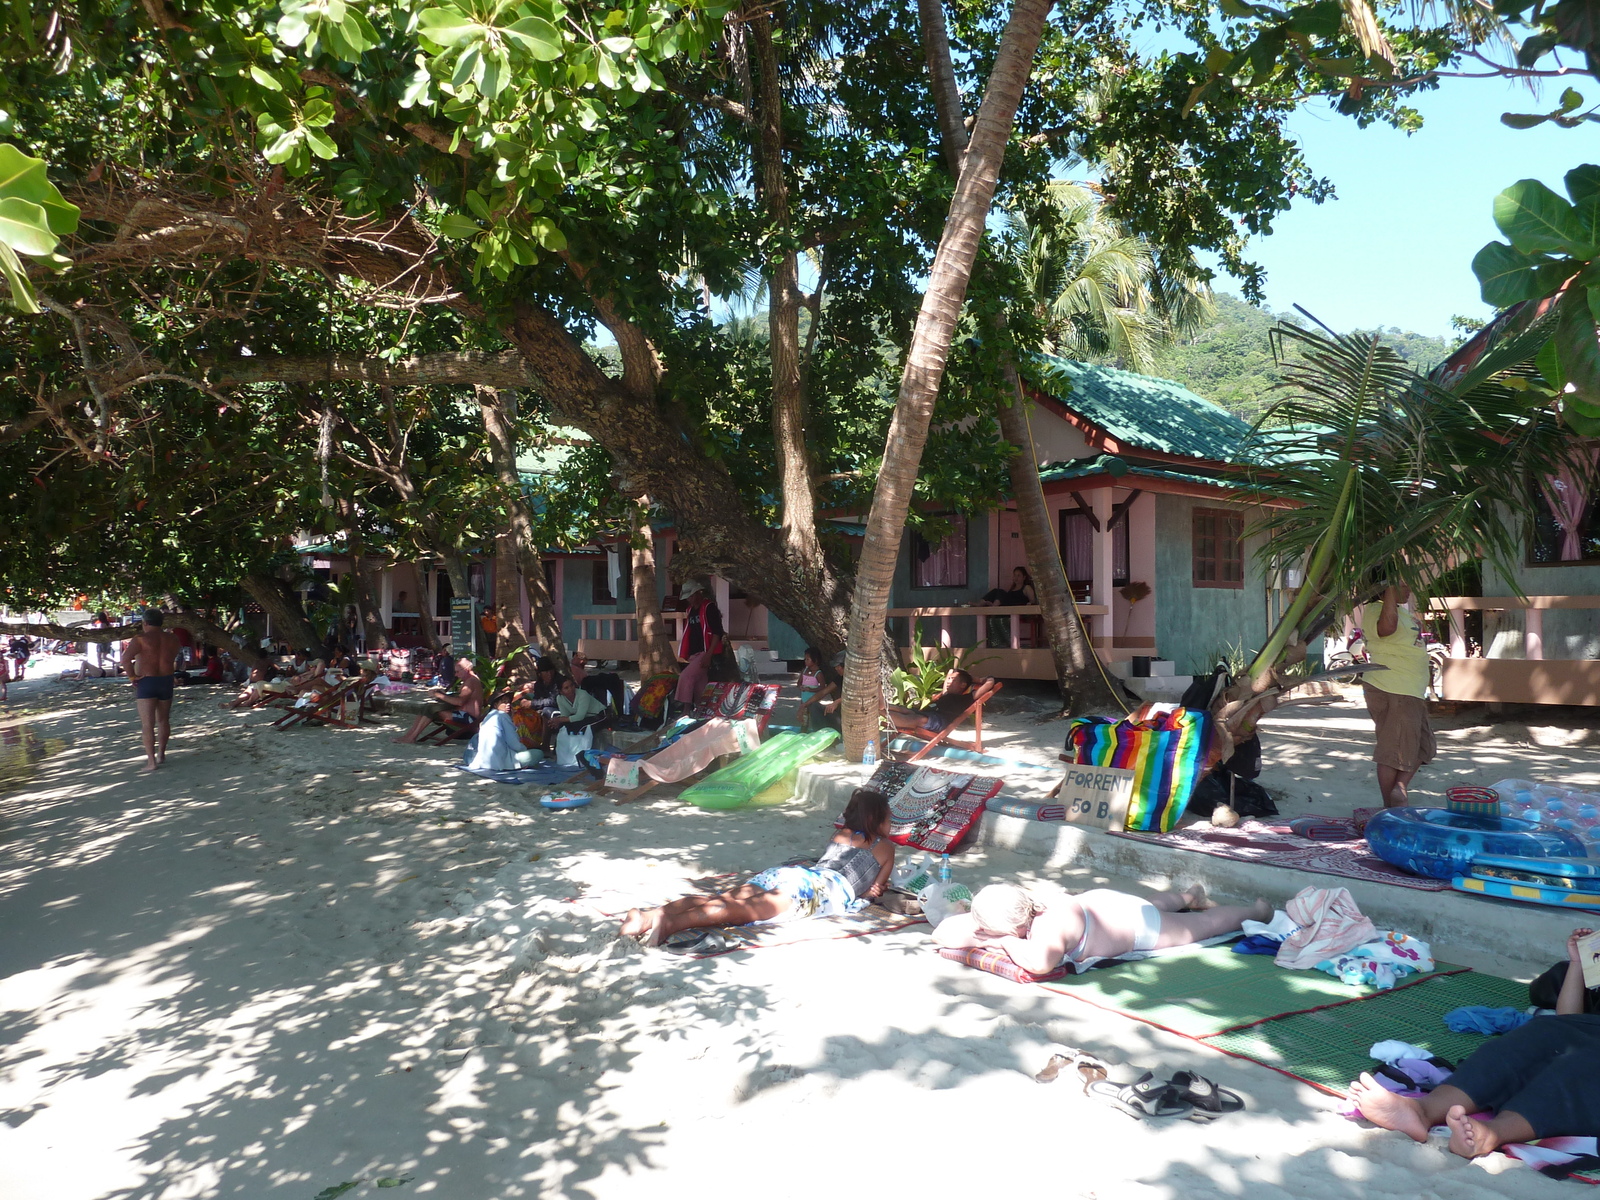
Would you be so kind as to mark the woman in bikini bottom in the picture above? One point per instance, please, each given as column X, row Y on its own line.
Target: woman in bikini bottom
column 1089, row 928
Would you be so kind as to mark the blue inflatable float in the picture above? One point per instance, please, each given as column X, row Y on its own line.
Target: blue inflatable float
column 1441, row 844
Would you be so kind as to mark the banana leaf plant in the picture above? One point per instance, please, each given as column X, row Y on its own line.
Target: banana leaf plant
column 1372, row 475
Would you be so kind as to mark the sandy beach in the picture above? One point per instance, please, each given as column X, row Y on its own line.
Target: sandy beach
column 292, row 960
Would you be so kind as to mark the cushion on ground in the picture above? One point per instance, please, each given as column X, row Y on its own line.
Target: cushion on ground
column 998, row 962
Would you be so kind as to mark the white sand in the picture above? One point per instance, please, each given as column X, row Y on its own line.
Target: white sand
column 262, row 972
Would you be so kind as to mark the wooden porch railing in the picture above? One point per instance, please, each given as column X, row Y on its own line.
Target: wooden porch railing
column 1531, row 679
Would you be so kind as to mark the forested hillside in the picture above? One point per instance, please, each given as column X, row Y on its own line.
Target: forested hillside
column 1230, row 360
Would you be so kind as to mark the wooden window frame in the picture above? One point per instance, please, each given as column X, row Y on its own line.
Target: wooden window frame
column 1235, row 521
column 916, row 540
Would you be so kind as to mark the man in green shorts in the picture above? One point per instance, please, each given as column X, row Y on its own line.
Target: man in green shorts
column 1395, row 696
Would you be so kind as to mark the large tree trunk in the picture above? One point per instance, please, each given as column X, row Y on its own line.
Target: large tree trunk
column 364, row 572
column 924, row 369
column 1079, row 673
column 656, row 652
column 1084, row 687
column 499, row 422
column 508, row 598
column 282, row 604
column 795, row 485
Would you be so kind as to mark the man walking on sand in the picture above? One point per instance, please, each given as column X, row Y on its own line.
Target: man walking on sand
column 151, row 657
column 1395, row 697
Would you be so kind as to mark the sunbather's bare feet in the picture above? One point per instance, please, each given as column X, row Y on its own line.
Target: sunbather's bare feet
column 1260, row 910
column 1195, row 898
column 404, row 741
column 1387, row 1110
column 1469, row 1138
column 634, row 923
column 147, row 768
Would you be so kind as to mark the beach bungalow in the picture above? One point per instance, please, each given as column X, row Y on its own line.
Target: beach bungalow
column 1137, row 478
column 1542, row 648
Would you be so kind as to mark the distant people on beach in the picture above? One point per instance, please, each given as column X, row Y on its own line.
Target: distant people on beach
column 151, row 658
column 604, row 686
column 1089, row 927
column 936, row 716
column 459, row 712
column 576, row 710
column 853, row 870
column 702, row 640
column 20, row 649
column 1538, row 1081
column 1019, row 593
column 1396, row 696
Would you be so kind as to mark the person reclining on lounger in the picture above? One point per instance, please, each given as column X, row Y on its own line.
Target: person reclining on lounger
column 1539, row 1081
column 459, row 713
column 1089, row 927
column 853, row 870
column 946, row 707
column 264, row 680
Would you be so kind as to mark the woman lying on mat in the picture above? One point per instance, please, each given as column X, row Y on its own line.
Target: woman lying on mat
column 854, row 868
column 1539, row 1081
column 1089, row 927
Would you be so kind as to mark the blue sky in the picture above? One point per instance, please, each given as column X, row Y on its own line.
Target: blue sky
column 1395, row 247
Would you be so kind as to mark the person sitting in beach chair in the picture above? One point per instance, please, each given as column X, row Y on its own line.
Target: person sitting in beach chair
column 264, row 682
column 1090, row 927
column 457, row 715
column 576, row 710
column 947, row 706
column 853, row 871
column 1538, row 1081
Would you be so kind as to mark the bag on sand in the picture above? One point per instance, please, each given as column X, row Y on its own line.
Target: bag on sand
column 1165, row 747
column 569, row 744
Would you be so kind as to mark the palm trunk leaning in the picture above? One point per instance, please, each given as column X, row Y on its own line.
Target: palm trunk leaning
column 924, row 370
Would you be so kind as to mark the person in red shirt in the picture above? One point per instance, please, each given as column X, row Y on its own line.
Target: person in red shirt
column 702, row 640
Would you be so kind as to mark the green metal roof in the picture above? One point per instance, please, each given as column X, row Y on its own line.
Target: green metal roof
column 1141, row 411
column 1110, row 464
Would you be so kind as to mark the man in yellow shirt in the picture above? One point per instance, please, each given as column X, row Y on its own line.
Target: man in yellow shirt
column 1395, row 697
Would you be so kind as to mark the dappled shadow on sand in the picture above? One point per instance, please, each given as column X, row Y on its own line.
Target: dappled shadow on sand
column 251, row 975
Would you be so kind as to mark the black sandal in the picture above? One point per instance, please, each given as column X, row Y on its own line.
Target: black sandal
column 1209, row 1100
column 1145, row 1097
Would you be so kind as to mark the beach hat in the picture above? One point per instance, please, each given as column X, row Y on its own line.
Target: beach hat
column 690, row 587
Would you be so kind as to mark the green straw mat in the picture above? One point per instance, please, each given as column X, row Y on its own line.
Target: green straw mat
column 1329, row 1048
column 1207, row 990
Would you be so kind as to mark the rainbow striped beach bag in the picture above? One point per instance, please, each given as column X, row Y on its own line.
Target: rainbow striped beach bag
column 1165, row 746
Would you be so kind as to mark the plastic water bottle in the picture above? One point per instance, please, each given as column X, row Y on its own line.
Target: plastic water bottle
column 869, row 756
column 944, row 868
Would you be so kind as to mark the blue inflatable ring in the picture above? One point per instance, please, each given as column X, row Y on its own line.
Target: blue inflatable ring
column 1439, row 843
column 566, row 800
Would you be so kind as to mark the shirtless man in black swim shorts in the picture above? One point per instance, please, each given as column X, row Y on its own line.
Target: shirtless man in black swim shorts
column 151, row 657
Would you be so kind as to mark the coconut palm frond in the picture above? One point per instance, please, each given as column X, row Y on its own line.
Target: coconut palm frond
column 1389, row 477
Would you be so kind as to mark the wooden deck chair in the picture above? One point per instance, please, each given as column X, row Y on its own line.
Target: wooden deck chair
column 329, row 708
column 982, row 693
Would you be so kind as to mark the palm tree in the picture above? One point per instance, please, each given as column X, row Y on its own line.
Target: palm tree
column 925, row 364
column 1390, row 478
column 1096, row 290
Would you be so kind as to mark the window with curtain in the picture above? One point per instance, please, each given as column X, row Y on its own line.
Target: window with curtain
column 1218, row 541
column 600, row 588
column 1566, row 522
column 1076, row 538
column 942, row 565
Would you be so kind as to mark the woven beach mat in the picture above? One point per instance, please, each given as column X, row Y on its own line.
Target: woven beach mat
column 1275, row 846
column 1209, row 990
column 1328, row 1047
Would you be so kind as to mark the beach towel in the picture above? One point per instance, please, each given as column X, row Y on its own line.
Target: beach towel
column 691, row 751
column 653, row 693
column 1164, row 745
column 494, row 747
column 1329, row 925
column 546, row 774
column 733, row 701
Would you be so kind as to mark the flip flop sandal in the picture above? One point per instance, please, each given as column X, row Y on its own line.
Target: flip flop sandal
column 1091, row 1069
column 1054, row 1067
column 1209, row 1100
column 1145, row 1097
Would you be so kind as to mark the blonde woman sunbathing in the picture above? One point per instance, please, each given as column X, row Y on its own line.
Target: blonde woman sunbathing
column 1090, row 927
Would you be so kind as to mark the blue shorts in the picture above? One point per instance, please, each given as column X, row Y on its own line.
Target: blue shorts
column 153, row 687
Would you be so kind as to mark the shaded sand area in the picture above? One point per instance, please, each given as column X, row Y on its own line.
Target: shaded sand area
column 293, row 960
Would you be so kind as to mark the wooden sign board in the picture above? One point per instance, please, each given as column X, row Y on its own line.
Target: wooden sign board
column 1097, row 796
column 463, row 625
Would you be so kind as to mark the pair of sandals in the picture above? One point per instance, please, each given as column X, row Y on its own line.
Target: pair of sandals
column 1186, row 1094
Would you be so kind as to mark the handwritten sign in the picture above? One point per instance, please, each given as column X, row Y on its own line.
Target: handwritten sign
column 1097, row 796
column 463, row 625
column 1589, row 957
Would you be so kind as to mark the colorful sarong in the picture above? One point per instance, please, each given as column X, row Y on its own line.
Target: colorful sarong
column 1165, row 746
column 811, row 893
